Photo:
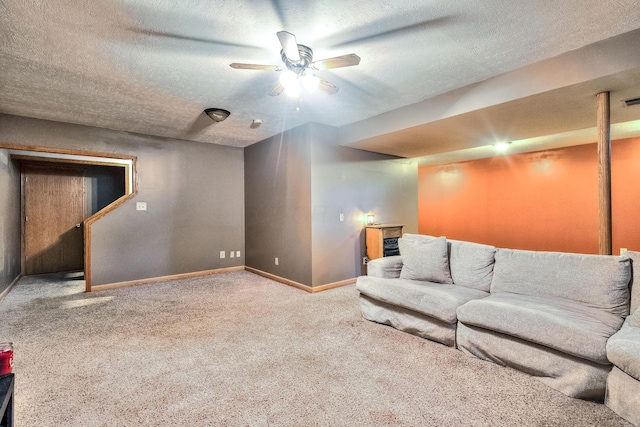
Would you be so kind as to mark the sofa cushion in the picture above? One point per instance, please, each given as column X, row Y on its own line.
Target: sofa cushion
column 436, row 300
column 623, row 348
column 562, row 325
column 425, row 260
column 635, row 279
column 598, row 281
column 471, row 264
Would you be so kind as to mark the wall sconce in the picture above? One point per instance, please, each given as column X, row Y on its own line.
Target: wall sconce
column 371, row 219
column 217, row 114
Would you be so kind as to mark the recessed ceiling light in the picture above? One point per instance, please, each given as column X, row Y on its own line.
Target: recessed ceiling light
column 502, row 146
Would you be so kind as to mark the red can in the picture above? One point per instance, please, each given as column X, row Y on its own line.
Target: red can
column 6, row 358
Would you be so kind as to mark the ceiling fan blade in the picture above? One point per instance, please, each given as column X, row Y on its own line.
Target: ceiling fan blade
column 255, row 67
column 326, row 87
column 289, row 45
column 165, row 34
column 277, row 90
column 336, row 62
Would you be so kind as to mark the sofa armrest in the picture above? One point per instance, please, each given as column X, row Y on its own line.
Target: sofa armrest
column 623, row 348
column 385, row 268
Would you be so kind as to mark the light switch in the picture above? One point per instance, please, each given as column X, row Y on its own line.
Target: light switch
column 141, row 206
column 222, row 254
column 341, row 217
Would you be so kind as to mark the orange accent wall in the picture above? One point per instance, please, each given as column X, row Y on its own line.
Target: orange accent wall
column 546, row 200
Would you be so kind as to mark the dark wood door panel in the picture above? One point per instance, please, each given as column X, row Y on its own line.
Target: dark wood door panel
column 54, row 212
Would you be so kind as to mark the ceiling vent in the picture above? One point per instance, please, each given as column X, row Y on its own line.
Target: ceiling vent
column 630, row 102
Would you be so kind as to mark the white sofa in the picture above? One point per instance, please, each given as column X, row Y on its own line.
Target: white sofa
column 420, row 295
column 549, row 314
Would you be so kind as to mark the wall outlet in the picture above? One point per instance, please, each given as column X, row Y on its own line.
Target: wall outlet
column 141, row 206
column 222, row 254
column 237, row 254
column 365, row 260
column 232, row 254
column 277, row 261
column 623, row 251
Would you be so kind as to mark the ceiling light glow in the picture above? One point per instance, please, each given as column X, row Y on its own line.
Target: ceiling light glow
column 502, row 146
column 293, row 90
column 310, row 82
column 289, row 80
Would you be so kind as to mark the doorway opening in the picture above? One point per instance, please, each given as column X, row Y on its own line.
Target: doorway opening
column 56, row 200
column 62, row 194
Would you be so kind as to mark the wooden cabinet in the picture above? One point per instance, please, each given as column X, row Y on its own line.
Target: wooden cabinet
column 382, row 240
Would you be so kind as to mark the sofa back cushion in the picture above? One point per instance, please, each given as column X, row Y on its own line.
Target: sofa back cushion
column 471, row 264
column 425, row 260
column 599, row 281
column 635, row 279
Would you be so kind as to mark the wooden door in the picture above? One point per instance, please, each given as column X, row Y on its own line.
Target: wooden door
column 53, row 215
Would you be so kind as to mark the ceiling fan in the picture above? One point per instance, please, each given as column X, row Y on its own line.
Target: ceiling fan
column 298, row 61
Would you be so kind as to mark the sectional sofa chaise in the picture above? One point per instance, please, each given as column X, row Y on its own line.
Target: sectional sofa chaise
column 561, row 317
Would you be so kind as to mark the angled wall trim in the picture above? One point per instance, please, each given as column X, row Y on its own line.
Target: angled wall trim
column 58, row 156
column 89, row 158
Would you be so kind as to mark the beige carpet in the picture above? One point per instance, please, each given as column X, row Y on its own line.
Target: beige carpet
column 240, row 350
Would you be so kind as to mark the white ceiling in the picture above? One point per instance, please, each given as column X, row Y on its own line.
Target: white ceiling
column 151, row 67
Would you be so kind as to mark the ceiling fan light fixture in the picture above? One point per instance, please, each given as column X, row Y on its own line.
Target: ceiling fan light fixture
column 217, row 114
column 293, row 90
column 310, row 82
column 288, row 78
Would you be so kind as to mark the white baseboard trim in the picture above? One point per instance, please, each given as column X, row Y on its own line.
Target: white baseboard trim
column 310, row 289
column 164, row 278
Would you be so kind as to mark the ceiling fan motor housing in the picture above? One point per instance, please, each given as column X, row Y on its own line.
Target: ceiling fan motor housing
column 298, row 67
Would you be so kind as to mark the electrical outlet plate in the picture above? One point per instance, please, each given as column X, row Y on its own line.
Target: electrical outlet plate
column 141, row 206
column 237, row 254
column 222, row 254
column 277, row 261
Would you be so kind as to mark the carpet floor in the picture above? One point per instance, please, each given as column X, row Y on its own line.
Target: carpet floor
column 236, row 349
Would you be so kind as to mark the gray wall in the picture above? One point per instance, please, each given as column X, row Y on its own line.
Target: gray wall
column 10, row 234
column 291, row 188
column 296, row 186
column 278, row 205
column 103, row 185
column 194, row 193
column 354, row 183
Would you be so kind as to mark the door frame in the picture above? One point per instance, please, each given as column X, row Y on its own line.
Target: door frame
column 78, row 157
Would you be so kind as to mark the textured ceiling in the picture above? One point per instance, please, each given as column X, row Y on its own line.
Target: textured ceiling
column 151, row 67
